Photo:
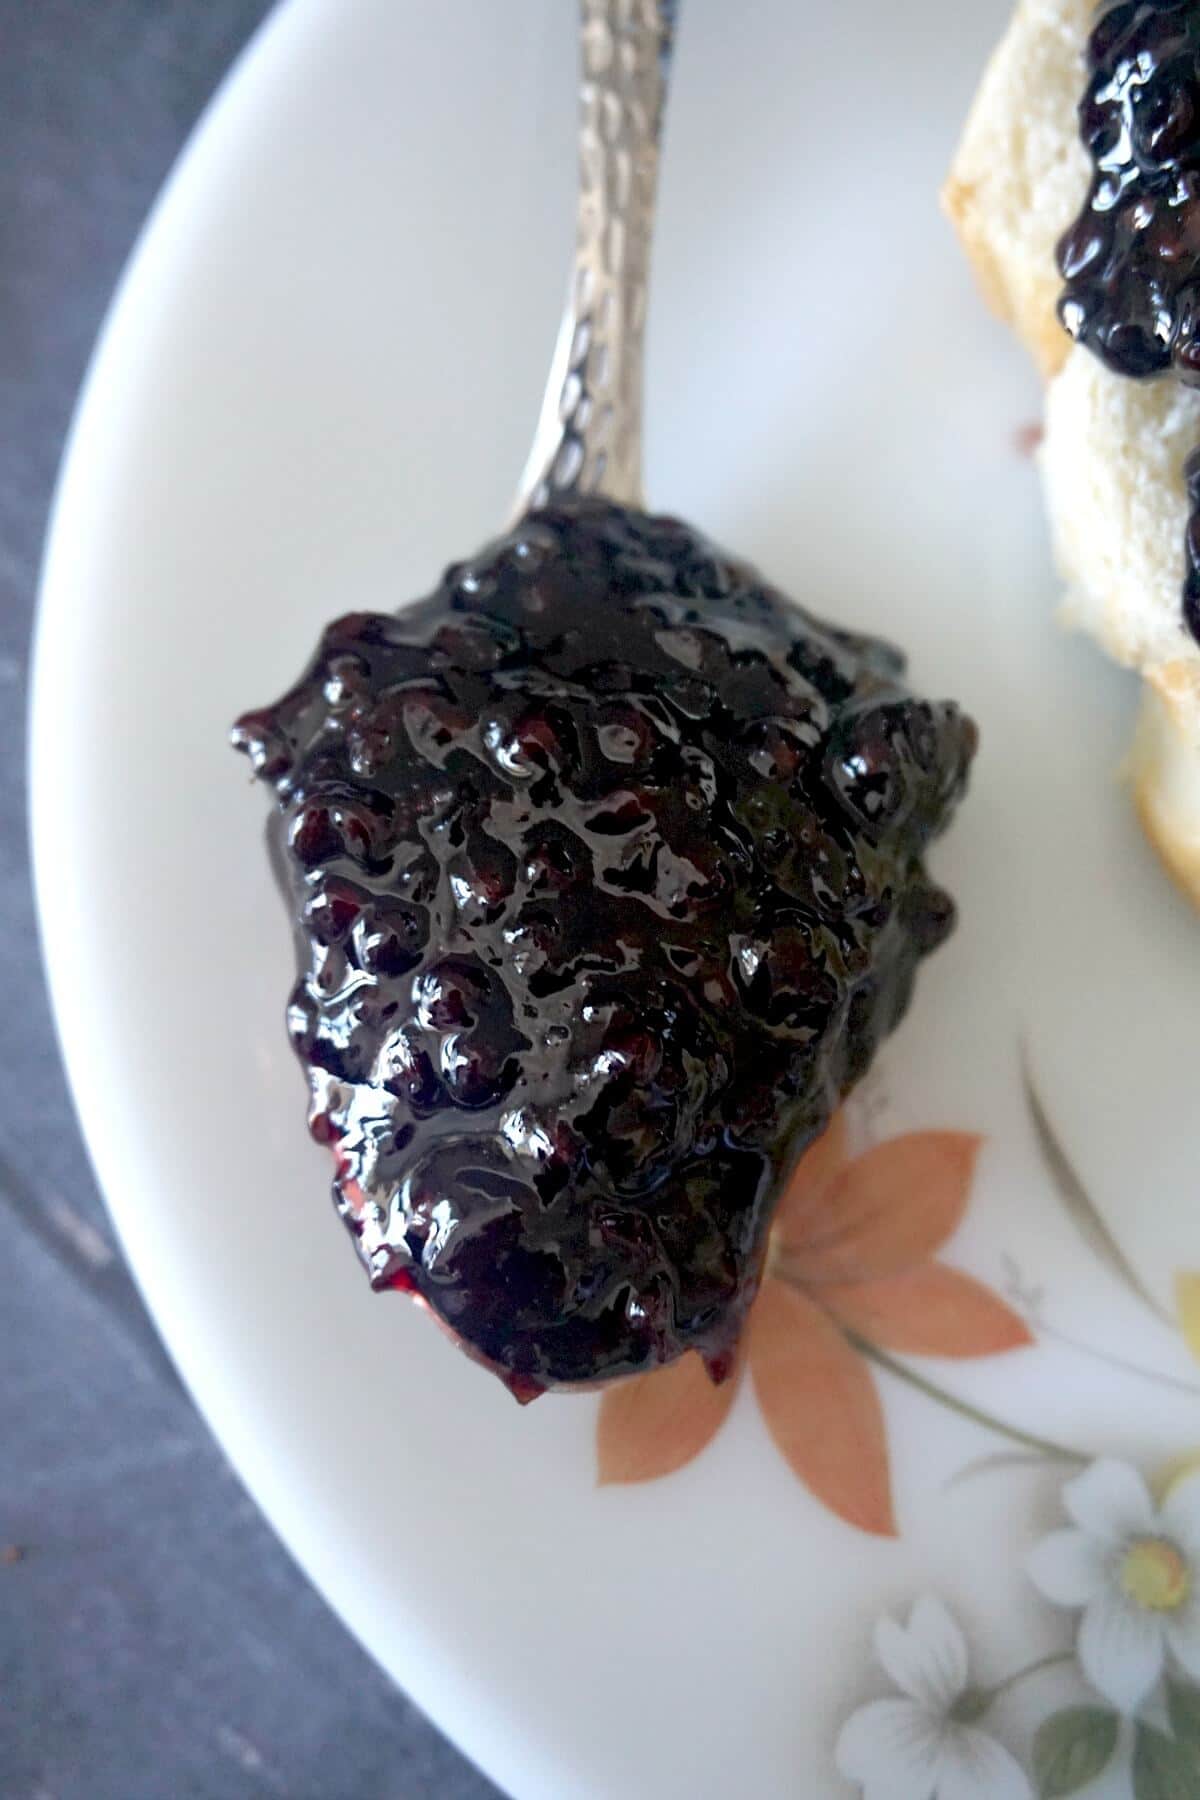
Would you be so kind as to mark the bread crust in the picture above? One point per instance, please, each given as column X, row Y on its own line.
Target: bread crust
column 1021, row 297
column 1165, row 766
column 1020, row 173
column 1017, row 180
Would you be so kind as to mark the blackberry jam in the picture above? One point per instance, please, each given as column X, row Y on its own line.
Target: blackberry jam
column 1129, row 261
column 606, row 865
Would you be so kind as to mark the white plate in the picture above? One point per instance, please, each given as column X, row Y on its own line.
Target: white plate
column 316, row 387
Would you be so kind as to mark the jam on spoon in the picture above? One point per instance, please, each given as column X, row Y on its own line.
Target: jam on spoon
column 606, row 863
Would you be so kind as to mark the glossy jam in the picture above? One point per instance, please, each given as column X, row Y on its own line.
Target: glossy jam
column 1130, row 259
column 1191, row 578
column 607, row 870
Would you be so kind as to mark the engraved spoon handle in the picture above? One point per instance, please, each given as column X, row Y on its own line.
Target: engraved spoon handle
column 589, row 436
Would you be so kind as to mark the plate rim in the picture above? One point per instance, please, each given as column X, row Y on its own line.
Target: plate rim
column 431, row 1680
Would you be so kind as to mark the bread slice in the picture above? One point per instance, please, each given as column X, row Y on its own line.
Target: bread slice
column 1020, row 173
column 1113, row 455
column 1112, row 471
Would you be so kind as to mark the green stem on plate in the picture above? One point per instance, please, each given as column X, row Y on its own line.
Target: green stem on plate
column 1055, row 1658
column 974, row 1702
column 1176, row 1382
column 1027, row 1439
column 1081, row 1209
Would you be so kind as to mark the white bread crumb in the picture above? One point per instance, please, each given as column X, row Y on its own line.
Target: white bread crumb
column 1112, row 468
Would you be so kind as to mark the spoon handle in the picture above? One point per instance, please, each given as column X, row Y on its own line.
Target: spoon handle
column 589, row 436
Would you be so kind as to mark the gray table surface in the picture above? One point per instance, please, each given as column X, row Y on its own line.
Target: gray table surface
column 155, row 1641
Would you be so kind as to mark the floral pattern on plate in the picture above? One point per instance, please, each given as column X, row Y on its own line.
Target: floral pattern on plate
column 854, row 1283
column 1130, row 1566
column 1132, row 1569
column 851, row 1280
column 925, row 1743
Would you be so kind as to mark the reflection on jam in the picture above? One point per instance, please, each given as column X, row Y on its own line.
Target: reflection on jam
column 1130, row 259
column 607, row 868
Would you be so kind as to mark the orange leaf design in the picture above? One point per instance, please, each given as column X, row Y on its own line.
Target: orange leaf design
column 811, row 1180
column 650, row 1425
column 889, row 1209
column 929, row 1311
column 821, row 1407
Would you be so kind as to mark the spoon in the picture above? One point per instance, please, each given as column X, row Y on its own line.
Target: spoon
column 589, row 436
column 607, row 867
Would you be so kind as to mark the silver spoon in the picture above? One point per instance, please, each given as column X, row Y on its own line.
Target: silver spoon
column 759, row 770
column 589, row 435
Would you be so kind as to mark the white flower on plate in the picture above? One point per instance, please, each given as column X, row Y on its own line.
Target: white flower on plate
column 1134, row 1569
column 926, row 1744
